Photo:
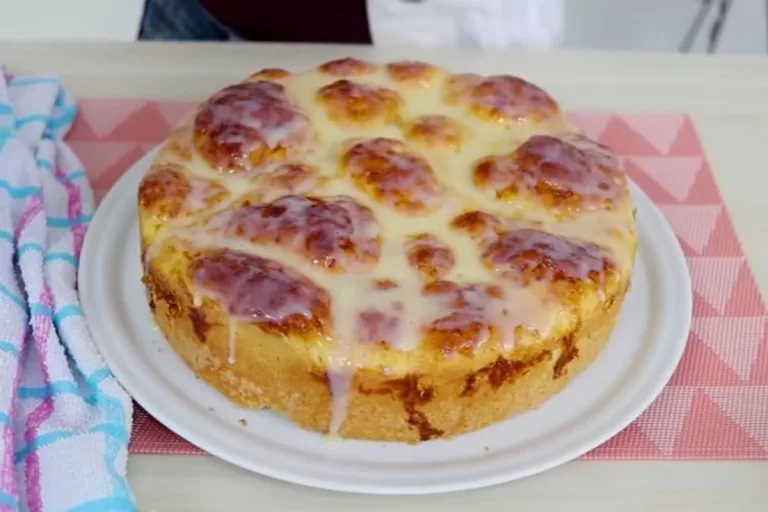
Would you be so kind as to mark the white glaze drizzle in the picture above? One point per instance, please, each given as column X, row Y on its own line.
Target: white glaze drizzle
column 351, row 291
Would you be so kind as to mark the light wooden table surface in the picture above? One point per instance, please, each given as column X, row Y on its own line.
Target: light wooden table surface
column 728, row 98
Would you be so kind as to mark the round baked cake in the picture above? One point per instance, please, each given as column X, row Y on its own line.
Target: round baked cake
column 391, row 252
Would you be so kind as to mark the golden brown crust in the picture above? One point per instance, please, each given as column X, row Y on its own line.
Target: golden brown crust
column 275, row 298
column 358, row 104
column 291, row 177
column 333, row 233
column 429, row 256
column 270, row 74
column 451, row 237
column 412, row 72
column 347, row 66
column 248, row 124
column 568, row 173
column 167, row 193
column 532, row 255
column 434, row 401
column 501, row 98
column 465, row 324
column 477, row 223
column 436, row 131
column 391, row 173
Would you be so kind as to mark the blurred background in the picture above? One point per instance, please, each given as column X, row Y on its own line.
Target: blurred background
column 696, row 26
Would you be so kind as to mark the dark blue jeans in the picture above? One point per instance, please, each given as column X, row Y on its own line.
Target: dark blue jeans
column 181, row 20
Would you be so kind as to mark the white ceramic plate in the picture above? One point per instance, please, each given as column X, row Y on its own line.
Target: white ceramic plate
column 627, row 376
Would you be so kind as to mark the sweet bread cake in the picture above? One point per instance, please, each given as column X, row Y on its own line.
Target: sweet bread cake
column 389, row 252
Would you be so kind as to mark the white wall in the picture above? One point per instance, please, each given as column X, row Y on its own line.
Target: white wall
column 646, row 25
column 113, row 20
column 660, row 25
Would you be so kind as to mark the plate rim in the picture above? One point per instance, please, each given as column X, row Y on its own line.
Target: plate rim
column 117, row 196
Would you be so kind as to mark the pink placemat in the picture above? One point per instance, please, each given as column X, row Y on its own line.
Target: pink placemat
column 716, row 405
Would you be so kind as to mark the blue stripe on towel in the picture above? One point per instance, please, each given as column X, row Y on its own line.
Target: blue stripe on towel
column 11, row 295
column 6, row 500
column 48, row 258
column 72, row 176
column 20, row 192
column 61, row 314
column 36, row 308
column 60, row 256
column 113, row 504
column 109, row 429
column 9, row 348
column 66, row 222
column 19, row 82
column 66, row 117
column 55, row 388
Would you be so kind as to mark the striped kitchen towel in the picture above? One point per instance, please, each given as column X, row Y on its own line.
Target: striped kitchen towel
column 64, row 420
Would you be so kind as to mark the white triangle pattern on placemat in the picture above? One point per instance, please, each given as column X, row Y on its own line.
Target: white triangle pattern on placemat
column 747, row 406
column 676, row 175
column 592, row 124
column 735, row 340
column 119, row 112
column 173, row 113
column 714, row 278
column 663, row 421
column 694, row 224
column 660, row 130
column 98, row 156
